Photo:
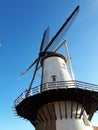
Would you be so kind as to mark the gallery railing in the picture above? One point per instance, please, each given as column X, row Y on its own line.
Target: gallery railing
column 56, row 85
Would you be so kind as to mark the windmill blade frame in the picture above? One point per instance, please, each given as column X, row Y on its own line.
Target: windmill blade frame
column 33, row 77
column 38, row 59
column 46, row 37
column 23, row 73
column 44, row 40
column 61, row 32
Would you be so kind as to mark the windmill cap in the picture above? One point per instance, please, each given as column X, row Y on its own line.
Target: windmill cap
column 52, row 54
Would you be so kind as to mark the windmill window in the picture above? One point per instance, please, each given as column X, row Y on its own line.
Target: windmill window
column 53, row 77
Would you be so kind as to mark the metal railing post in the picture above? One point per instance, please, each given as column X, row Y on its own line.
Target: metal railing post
column 47, row 88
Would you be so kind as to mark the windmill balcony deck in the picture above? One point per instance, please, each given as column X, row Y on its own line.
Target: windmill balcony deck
column 59, row 85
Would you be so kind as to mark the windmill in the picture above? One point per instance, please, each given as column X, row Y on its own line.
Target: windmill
column 59, row 103
column 47, row 46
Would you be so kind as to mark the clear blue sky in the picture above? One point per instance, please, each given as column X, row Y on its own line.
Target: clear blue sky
column 22, row 23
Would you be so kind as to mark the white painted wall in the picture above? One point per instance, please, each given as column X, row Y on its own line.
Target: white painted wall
column 55, row 66
column 71, row 123
column 65, row 123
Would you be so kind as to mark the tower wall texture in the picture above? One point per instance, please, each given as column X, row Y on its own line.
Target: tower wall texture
column 62, row 115
column 55, row 69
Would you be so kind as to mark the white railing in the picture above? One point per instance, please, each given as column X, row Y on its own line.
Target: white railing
column 56, row 85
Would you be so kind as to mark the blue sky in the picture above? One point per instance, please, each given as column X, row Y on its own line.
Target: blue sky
column 22, row 23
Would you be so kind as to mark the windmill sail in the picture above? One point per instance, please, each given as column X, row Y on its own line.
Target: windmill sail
column 61, row 32
column 44, row 42
column 46, row 37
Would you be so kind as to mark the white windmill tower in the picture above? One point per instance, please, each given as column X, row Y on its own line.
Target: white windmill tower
column 59, row 103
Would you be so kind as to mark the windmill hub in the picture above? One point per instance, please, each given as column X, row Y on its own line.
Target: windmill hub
column 41, row 54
